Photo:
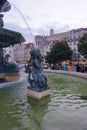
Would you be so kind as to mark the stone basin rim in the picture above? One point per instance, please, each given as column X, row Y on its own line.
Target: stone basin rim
column 77, row 74
column 71, row 73
column 5, row 84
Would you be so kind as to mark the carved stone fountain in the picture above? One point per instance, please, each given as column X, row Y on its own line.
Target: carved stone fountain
column 8, row 71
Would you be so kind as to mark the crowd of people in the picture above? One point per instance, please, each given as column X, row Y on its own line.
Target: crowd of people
column 78, row 67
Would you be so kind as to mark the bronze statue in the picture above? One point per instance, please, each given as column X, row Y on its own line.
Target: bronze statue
column 36, row 77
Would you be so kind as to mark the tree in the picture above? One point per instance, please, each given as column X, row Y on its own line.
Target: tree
column 60, row 51
column 82, row 46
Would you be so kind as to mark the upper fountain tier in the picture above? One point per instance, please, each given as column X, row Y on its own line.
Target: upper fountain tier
column 4, row 6
column 7, row 37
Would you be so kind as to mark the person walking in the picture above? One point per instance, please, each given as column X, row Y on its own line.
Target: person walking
column 65, row 67
column 69, row 67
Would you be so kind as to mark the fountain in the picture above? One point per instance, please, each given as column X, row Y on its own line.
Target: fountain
column 65, row 109
column 8, row 71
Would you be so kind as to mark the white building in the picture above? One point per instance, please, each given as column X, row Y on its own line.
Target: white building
column 74, row 36
column 73, row 40
column 44, row 43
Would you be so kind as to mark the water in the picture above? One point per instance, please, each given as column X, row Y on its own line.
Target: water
column 65, row 109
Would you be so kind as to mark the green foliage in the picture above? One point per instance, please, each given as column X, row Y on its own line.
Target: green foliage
column 60, row 51
column 82, row 46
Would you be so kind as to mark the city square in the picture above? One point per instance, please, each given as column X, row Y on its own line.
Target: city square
column 43, row 76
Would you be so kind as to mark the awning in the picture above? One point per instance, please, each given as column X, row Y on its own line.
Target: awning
column 9, row 37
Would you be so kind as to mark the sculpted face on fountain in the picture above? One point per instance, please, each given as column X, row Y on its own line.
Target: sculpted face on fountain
column 4, row 6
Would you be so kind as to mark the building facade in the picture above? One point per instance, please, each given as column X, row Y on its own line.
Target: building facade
column 74, row 37
column 73, row 41
column 44, row 43
column 21, row 52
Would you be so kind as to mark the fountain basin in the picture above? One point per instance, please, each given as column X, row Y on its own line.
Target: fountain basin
column 72, row 73
column 65, row 109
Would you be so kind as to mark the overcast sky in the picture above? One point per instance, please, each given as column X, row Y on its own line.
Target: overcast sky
column 38, row 16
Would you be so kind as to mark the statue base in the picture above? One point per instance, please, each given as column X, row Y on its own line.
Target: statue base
column 38, row 95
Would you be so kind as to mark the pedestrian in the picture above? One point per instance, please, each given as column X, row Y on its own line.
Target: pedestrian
column 65, row 67
column 69, row 67
column 78, row 68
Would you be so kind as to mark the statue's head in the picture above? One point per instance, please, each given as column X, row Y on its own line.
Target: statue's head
column 33, row 53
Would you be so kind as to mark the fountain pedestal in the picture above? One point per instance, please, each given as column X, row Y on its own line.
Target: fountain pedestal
column 8, row 71
column 38, row 95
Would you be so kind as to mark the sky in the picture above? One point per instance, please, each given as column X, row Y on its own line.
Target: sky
column 37, row 17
